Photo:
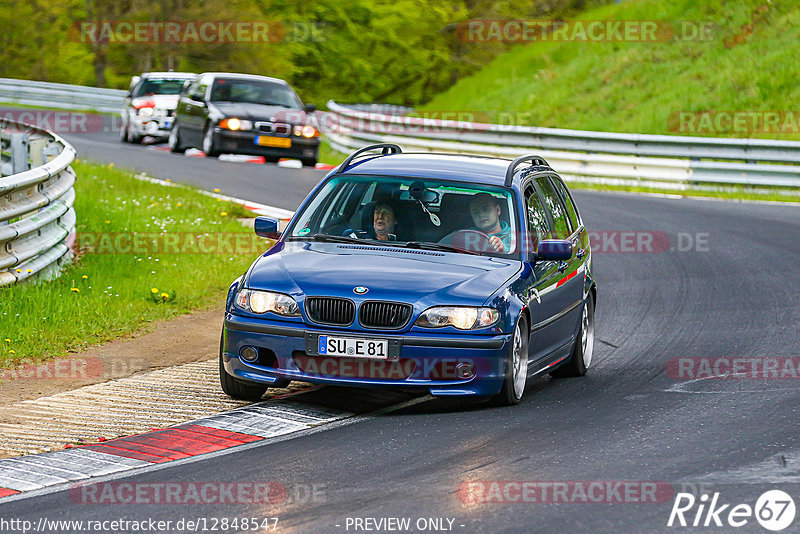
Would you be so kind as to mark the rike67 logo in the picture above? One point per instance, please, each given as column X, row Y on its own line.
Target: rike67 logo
column 774, row 510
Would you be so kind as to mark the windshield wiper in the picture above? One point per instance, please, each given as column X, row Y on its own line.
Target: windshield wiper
column 439, row 246
column 327, row 238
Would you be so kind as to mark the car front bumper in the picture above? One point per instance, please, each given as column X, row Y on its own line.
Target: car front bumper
column 236, row 142
column 153, row 126
column 421, row 360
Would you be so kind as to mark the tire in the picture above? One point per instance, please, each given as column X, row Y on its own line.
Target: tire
column 130, row 137
column 123, row 134
column 581, row 357
column 175, row 145
column 516, row 367
column 236, row 388
column 208, row 142
column 309, row 162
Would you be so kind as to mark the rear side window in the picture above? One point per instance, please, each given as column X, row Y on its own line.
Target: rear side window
column 537, row 221
column 561, row 229
column 572, row 212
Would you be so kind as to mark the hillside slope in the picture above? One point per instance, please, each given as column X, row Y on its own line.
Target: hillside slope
column 749, row 62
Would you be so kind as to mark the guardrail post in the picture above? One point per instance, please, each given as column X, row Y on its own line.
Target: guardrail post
column 36, row 149
column 19, row 153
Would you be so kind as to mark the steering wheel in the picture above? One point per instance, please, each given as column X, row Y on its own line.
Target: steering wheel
column 469, row 240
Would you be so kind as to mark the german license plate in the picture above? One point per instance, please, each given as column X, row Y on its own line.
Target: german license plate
column 278, row 142
column 353, row 347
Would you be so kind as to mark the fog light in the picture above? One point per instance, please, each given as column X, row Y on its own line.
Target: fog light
column 249, row 354
column 465, row 371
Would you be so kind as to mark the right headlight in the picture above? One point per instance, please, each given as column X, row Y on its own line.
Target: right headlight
column 267, row 301
column 461, row 317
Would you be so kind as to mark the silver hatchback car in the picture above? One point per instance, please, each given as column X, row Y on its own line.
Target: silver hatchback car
column 150, row 105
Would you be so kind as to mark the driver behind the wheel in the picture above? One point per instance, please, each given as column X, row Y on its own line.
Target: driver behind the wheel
column 384, row 224
column 485, row 210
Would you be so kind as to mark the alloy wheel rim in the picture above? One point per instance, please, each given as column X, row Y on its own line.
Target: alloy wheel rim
column 520, row 363
column 587, row 335
column 207, row 140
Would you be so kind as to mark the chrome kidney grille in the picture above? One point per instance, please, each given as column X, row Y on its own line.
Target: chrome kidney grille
column 378, row 314
column 330, row 310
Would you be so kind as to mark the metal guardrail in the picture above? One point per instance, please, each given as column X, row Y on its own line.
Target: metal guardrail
column 46, row 94
column 677, row 162
column 37, row 221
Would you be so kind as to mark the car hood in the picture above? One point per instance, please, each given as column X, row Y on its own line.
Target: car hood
column 407, row 275
column 260, row 112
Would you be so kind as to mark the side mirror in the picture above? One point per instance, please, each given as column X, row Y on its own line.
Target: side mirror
column 266, row 227
column 309, row 108
column 554, row 250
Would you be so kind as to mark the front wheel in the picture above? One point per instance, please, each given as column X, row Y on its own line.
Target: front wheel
column 209, row 146
column 175, row 145
column 309, row 162
column 583, row 349
column 516, row 367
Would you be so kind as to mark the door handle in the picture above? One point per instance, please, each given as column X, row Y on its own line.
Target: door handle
column 562, row 266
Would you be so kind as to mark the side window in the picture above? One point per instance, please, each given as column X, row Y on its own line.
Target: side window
column 572, row 213
column 554, row 205
column 198, row 91
column 537, row 222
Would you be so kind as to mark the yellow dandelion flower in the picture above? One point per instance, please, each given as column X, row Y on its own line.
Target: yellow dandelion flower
column 108, row 222
column 153, row 290
column 85, row 277
column 75, row 290
column 216, row 190
column 179, row 204
column 111, row 165
column 12, row 351
column 169, row 180
column 7, row 340
column 165, row 295
column 224, row 213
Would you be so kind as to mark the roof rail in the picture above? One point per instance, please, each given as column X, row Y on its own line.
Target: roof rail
column 535, row 160
column 387, row 149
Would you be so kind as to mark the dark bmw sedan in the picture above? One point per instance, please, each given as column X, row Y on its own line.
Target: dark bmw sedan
column 244, row 114
column 461, row 276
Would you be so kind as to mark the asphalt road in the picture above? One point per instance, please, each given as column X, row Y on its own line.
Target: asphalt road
column 629, row 419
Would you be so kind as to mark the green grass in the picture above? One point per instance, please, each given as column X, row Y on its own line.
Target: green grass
column 42, row 319
column 749, row 64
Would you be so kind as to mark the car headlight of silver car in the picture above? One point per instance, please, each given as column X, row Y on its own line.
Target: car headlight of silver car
column 267, row 301
column 461, row 317
column 145, row 112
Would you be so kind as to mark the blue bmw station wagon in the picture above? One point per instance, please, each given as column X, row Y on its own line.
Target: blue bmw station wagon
column 459, row 275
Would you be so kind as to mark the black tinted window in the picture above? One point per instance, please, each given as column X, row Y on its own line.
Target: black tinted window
column 572, row 213
column 253, row 91
column 537, row 222
column 553, row 203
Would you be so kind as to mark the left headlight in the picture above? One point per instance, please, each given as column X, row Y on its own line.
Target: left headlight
column 235, row 124
column 145, row 112
column 461, row 317
column 267, row 301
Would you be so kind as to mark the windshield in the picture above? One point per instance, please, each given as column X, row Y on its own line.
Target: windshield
column 407, row 212
column 254, row 92
column 159, row 87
